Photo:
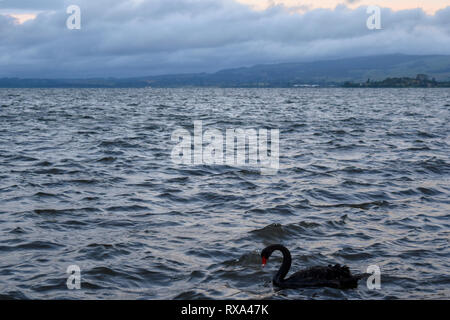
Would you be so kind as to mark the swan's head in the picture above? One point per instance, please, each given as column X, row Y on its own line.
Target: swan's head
column 267, row 252
column 265, row 255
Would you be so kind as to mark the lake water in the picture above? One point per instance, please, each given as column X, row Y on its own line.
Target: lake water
column 87, row 179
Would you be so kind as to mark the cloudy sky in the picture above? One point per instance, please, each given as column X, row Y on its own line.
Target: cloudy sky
column 125, row 38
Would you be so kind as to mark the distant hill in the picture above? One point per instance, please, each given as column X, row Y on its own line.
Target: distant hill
column 323, row 73
column 420, row 81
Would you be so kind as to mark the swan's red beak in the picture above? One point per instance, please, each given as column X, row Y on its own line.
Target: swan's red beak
column 264, row 261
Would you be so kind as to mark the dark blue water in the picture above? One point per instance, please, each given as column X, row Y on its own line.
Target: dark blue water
column 87, row 179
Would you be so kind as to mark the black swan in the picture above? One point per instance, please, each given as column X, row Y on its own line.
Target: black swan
column 331, row 276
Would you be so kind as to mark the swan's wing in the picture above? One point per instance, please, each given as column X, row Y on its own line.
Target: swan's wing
column 326, row 273
column 296, row 282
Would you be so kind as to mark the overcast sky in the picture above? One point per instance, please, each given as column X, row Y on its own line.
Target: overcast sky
column 144, row 37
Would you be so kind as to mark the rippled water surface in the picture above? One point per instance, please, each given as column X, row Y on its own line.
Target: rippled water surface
column 87, row 179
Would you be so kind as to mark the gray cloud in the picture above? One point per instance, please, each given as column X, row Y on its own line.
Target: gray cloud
column 130, row 38
column 31, row 4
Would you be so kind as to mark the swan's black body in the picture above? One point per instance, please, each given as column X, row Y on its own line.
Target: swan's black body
column 331, row 276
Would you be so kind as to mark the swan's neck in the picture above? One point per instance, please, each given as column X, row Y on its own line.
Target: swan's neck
column 285, row 265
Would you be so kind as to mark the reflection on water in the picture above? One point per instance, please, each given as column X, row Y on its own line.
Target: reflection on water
column 87, row 180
